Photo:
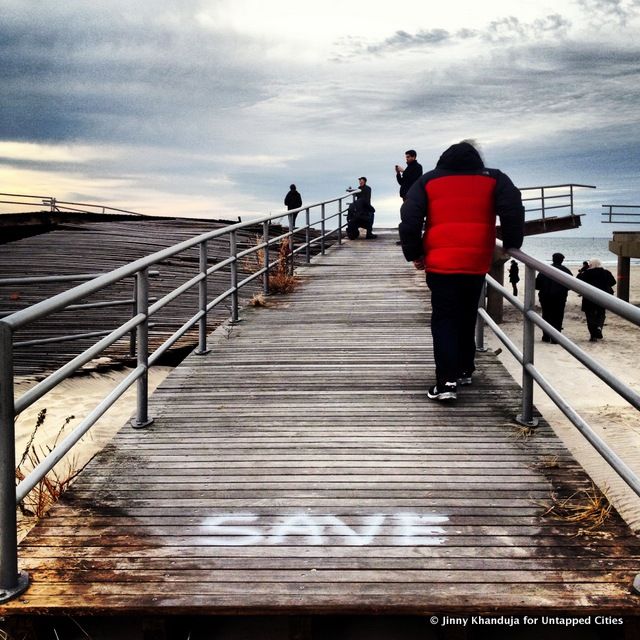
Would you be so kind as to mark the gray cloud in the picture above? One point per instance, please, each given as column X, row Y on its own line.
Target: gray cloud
column 615, row 11
column 506, row 29
column 123, row 80
column 181, row 101
column 511, row 28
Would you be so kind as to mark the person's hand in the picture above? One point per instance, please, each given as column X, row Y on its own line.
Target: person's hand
column 419, row 264
column 398, row 169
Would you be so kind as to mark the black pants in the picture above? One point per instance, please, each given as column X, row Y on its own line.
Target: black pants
column 552, row 311
column 454, row 304
column 361, row 221
column 595, row 320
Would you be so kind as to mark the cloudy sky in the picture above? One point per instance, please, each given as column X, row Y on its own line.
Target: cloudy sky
column 213, row 107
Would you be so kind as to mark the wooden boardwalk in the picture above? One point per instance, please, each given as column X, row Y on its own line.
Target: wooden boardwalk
column 300, row 468
column 91, row 246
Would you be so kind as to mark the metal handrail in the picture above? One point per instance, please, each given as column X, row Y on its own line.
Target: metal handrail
column 544, row 197
column 621, row 215
column 58, row 205
column 12, row 581
column 531, row 374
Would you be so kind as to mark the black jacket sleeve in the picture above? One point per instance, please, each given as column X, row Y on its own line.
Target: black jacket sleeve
column 413, row 214
column 364, row 198
column 508, row 204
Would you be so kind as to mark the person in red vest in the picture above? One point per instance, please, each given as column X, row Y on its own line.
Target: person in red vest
column 456, row 205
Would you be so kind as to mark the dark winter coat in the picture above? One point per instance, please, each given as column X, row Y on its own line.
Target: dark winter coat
column 550, row 288
column 293, row 199
column 598, row 277
column 459, row 200
column 408, row 177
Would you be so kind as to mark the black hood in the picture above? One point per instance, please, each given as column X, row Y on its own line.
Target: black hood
column 460, row 157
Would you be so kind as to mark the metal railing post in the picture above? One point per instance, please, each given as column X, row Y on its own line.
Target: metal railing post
column 482, row 304
column 233, row 253
column 134, row 331
column 322, row 228
column 307, row 236
column 542, row 201
column 12, row 582
column 528, row 340
column 291, row 227
column 265, row 240
column 142, row 418
column 202, row 301
column 340, row 221
column 571, row 197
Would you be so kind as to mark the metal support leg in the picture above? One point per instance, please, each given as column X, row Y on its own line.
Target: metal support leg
column 202, row 302
column 307, row 236
column 480, row 322
column 142, row 418
column 134, row 310
column 322, row 228
column 290, row 257
column 233, row 253
column 265, row 239
column 528, row 340
column 12, row 581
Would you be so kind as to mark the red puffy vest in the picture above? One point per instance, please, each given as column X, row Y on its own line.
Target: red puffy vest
column 461, row 224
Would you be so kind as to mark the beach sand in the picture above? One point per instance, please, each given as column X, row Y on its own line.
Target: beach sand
column 77, row 396
column 611, row 417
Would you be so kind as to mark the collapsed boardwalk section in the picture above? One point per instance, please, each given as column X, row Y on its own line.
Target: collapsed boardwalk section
column 300, row 467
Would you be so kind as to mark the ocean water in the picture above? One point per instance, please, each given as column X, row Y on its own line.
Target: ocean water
column 575, row 250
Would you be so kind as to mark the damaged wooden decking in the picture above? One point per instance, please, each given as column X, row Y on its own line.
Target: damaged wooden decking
column 300, row 468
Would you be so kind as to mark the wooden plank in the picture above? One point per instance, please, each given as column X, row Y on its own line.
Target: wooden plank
column 299, row 467
column 98, row 246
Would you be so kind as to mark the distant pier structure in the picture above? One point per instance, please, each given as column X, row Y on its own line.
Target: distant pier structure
column 626, row 245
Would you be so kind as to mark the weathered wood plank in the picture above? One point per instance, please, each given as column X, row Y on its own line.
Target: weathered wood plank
column 299, row 467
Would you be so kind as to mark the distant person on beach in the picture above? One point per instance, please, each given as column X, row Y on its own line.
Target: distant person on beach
column 514, row 276
column 361, row 213
column 293, row 200
column 584, row 267
column 553, row 297
column 448, row 229
column 597, row 276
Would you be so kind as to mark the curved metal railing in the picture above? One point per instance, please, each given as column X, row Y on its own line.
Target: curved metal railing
column 13, row 582
column 55, row 205
column 614, row 215
column 531, row 374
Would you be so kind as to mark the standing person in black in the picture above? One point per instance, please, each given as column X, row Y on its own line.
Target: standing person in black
column 293, row 200
column 603, row 279
column 406, row 177
column 553, row 297
column 361, row 212
column 514, row 276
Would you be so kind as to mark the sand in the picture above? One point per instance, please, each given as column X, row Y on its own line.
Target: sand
column 77, row 397
column 611, row 417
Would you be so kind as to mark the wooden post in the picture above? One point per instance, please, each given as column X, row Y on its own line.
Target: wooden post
column 494, row 298
column 624, row 273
